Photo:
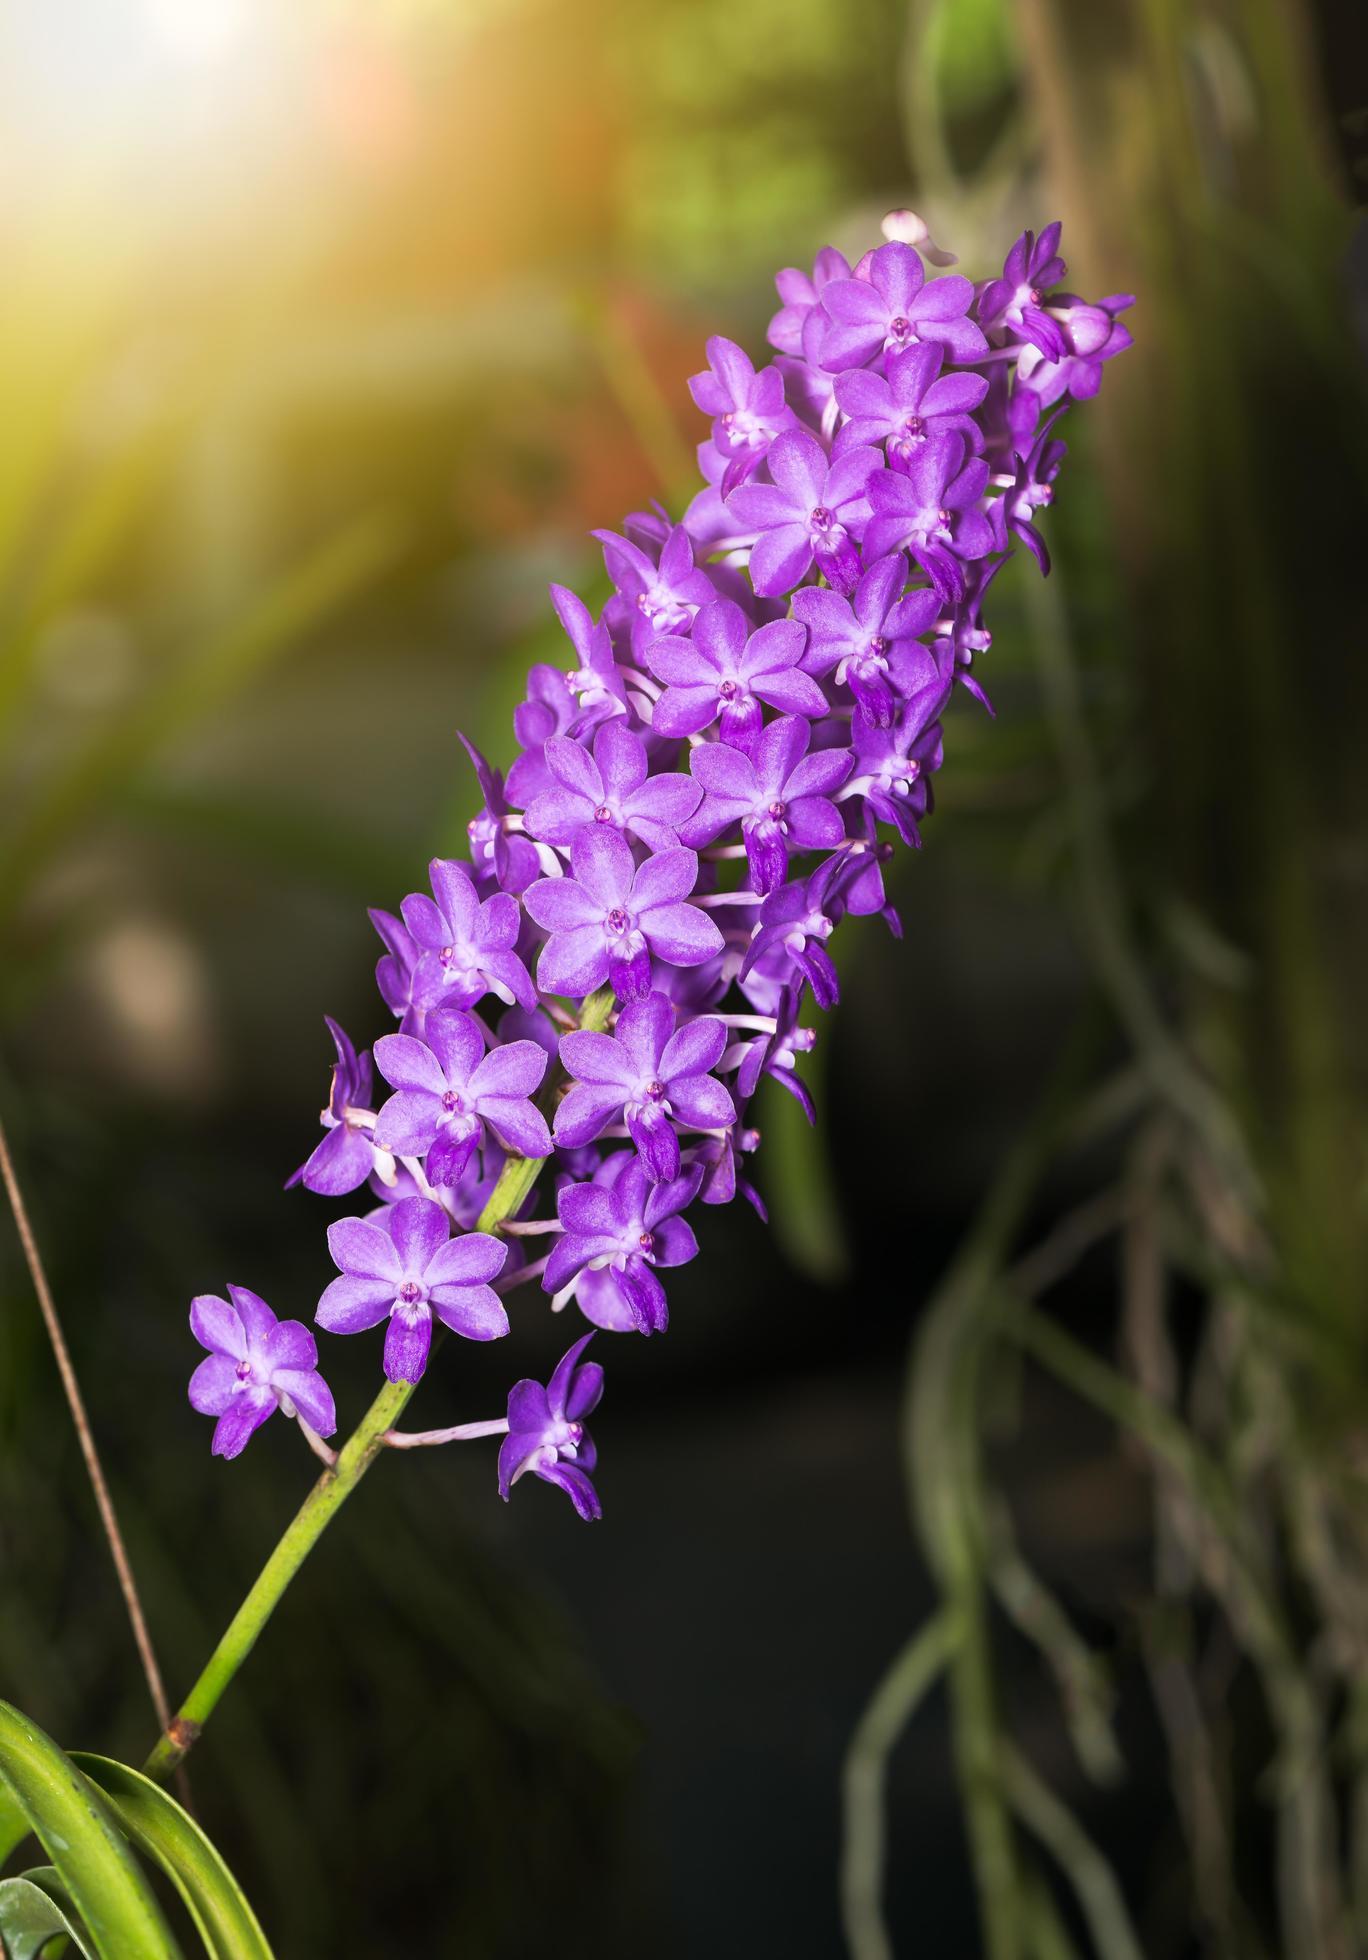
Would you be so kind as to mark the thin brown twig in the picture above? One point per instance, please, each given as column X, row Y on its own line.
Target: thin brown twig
column 71, row 1389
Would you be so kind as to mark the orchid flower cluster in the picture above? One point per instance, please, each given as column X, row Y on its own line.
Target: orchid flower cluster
column 715, row 780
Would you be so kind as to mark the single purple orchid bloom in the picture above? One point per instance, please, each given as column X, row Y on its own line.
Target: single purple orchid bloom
column 397, row 968
column 813, row 509
column 345, row 1157
column 466, row 947
column 1014, row 302
column 1031, row 489
column 748, row 409
column 932, row 511
column 656, row 596
column 595, row 682
column 609, row 916
column 908, row 405
column 612, row 786
column 629, row 1228
column 1094, row 335
column 511, row 862
column 801, row 295
column 791, row 933
column 256, row 1365
column 890, row 304
column 546, row 1433
column 780, row 796
column 407, row 1269
column 776, row 1053
column 448, row 1089
column 870, row 639
column 550, row 708
column 893, row 766
column 724, row 673
column 649, row 1073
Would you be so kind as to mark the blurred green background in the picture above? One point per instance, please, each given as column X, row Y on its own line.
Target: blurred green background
column 328, row 331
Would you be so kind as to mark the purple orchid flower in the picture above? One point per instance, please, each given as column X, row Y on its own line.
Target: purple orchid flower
column 1094, row 335
column 256, row 1365
column 595, row 683
column 790, row 936
column 608, row 917
column 813, row 509
column 1013, row 302
column 397, row 968
column 612, row 786
column 725, row 671
column 546, row 1433
column 776, row 1053
column 551, row 706
column 629, row 1228
column 345, row 1157
column 890, row 304
column 511, row 862
column 781, row 795
column 1031, row 489
column 801, row 295
column 657, row 597
column 932, row 512
column 467, row 948
column 748, row 409
column 870, row 639
column 911, row 403
column 407, row 1270
column 893, row 766
column 448, row 1089
column 652, row 1074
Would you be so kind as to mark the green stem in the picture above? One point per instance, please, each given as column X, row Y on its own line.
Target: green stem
column 331, row 1491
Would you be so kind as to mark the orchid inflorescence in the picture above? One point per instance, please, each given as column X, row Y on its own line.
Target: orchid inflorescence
column 717, row 781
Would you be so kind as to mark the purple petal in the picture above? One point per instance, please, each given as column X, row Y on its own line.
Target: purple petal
column 562, row 905
column 682, row 934
column 311, row 1396
column 216, row 1326
column 408, row 1122
column 573, row 963
column 701, row 1102
column 419, row 1229
column 518, row 1124
column 455, row 893
column 668, row 876
column 353, row 1303
column 212, row 1384
column 588, row 1108
column 693, row 1049
column 602, row 864
column 475, row 1312
column 514, row 1069
column 359, row 1247
column 241, row 1420
column 456, row 1041
column 258, row 1322
column 408, row 1341
column 409, row 1064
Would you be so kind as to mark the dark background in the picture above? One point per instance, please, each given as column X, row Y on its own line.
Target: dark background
column 326, row 340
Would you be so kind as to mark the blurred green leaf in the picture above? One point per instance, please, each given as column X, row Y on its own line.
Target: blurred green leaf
column 86, row 1847
column 158, row 1825
column 800, row 1184
column 30, row 1921
column 14, row 1825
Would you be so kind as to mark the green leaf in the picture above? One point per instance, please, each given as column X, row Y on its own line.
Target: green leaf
column 30, row 1922
column 158, row 1825
column 14, row 1826
column 92, row 1858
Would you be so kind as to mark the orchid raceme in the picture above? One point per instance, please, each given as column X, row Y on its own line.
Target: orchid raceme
column 714, row 779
